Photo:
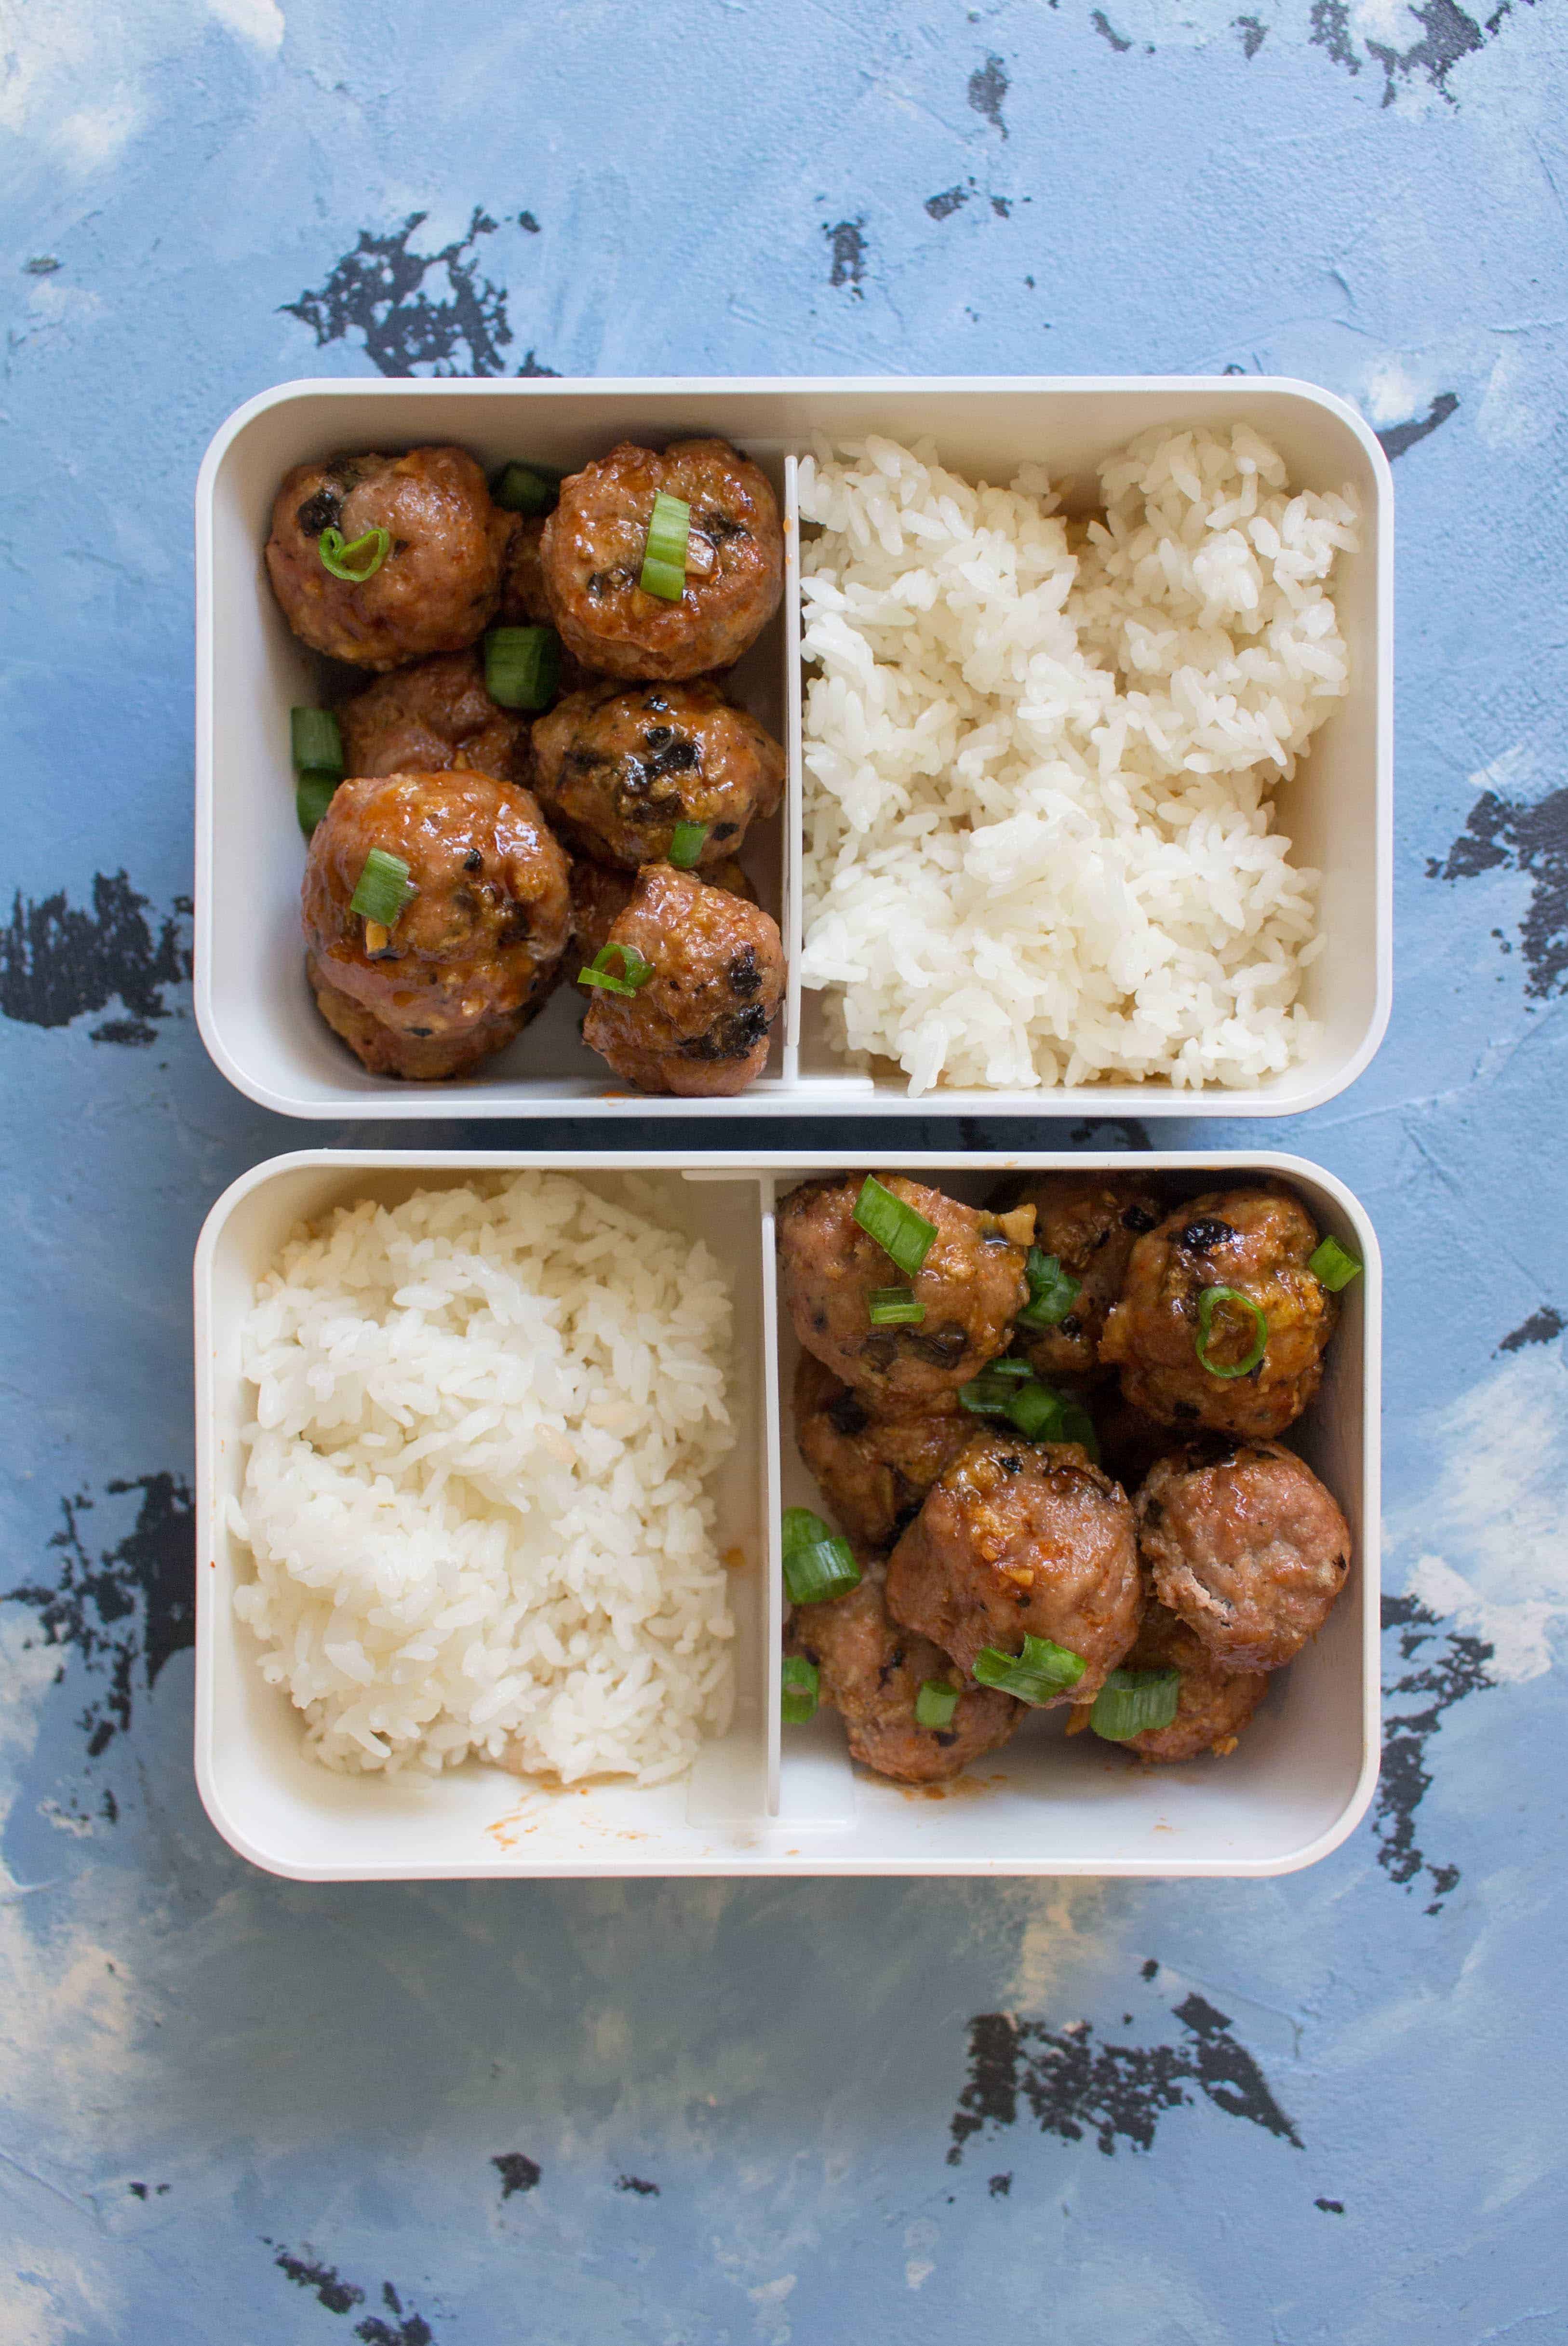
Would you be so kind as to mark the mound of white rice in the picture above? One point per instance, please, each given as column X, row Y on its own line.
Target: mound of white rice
column 1038, row 759
column 474, row 1489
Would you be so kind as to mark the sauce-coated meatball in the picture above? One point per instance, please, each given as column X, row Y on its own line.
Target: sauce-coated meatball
column 523, row 602
column 699, row 1026
column 1258, row 1242
column 970, row 1285
column 431, row 717
column 1213, row 1703
column 872, row 1671
column 601, row 893
column 619, row 766
column 1246, row 1546
column 593, row 546
column 874, row 1470
column 470, row 956
column 1089, row 1221
column 438, row 588
column 1021, row 1539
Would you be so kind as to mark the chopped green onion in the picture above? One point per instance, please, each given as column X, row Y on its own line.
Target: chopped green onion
column 384, row 888
column 1053, row 1291
column 935, row 1703
column 1208, row 1302
column 1034, row 1675
column 817, row 1564
column 687, row 843
column 1008, row 1369
column 521, row 666
column 1037, row 1412
column 897, row 1229
column 801, row 1528
column 664, row 560
column 894, row 1307
column 1333, row 1267
column 312, row 797
column 634, row 971
column 1078, row 1426
column 1133, row 1702
column 526, row 488
column 315, row 743
column 801, row 1691
column 358, row 562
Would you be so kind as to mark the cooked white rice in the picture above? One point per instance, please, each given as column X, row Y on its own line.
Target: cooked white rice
column 1038, row 761
column 475, row 1482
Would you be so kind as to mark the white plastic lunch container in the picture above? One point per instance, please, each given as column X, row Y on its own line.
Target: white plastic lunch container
column 765, row 1799
column 252, row 1004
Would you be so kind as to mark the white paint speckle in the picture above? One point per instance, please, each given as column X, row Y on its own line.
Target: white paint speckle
column 1394, row 393
column 260, row 21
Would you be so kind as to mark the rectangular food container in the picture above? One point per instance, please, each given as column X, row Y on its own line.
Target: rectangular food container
column 767, row 1801
column 255, row 1012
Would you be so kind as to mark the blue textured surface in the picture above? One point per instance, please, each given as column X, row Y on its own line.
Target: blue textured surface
column 1323, row 2108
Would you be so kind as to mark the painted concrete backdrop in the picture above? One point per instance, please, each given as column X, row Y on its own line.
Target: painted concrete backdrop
column 1328, row 2108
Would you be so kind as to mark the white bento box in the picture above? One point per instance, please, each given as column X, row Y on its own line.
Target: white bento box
column 765, row 1799
column 254, row 1009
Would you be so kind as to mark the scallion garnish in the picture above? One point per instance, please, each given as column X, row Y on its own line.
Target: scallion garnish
column 801, row 1691
column 894, row 1307
column 1208, row 1303
column 1132, row 1702
column 1053, row 1291
column 358, row 562
column 687, row 843
column 935, row 1703
column 1010, row 1389
column 817, row 1564
column 521, row 666
column 312, row 796
column 1034, row 1675
column 1078, row 1426
column 634, row 970
column 1333, row 1267
column 526, row 488
column 384, row 888
column 663, row 558
column 315, row 743
column 1037, row 1412
column 897, row 1229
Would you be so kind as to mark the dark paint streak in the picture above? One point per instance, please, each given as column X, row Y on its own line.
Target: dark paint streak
column 517, row 2172
column 637, row 2183
column 1330, row 2206
column 412, row 2330
column 1253, row 31
column 1448, row 35
column 988, row 87
column 849, row 247
column 378, row 291
column 1107, row 31
column 1542, row 1327
column 339, row 2296
column 1510, row 835
column 57, row 961
column 943, row 206
column 1457, row 1669
column 999, row 2185
column 1400, row 436
column 1110, row 1132
column 42, row 264
column 143, row 2190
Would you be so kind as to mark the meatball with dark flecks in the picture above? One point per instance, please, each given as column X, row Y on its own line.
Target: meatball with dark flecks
column 699, row 1025
column 1214, row 1703
column 601, row 893
column 1244, row 1546
column 473, row 952
column 874, row 1469
column 969, row 1288
column 1089, row 1221
column 1256, row 1243
column 1021, row 1539
column 593, row 546
column 871, row 1672
column 431, row 717
column 437, row 590
column 619, row 766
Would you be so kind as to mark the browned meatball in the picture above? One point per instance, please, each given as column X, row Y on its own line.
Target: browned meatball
column 699, row 1026
column 872, row 1671
column 618, row 768
column 1246, row 1546
column 1021, row 1539
column 601, row 893
column 592, row 548
column 1213, row 1703
column 523, row 602
column 1089, row 1222
column 470, row 956
column 1258, row 1242
column 972, row 1284
column 431, row 718
column 874, row 1470
column 437, row 590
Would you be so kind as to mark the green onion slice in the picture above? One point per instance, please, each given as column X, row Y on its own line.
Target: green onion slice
column 526, row 488
column 1053, row 1291
column 1034, row 1675
column 312, row 797
column 521, row 666
column 687, row 843
column 1040, row 1413
column 817, row 1564
column 634, row 970
column 897, row 1229
column 894, row 1307
column 1077, row 1425
column 664, row 560
column 801, row 1691
column 1037, row 1412
column 1208, row 1303
column 384, row 888
column 1333, row 1267
column 935, row 1703
column 1132, row 1702
column 358, row 562
column 315, row 743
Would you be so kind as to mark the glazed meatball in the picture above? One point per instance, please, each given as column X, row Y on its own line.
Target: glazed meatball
column 470, row 956
column 972, row 1284
column 593, row 546
column 1213, row 1703
column 601, row 893
column 871, row 1670
column 698, row 1027
column 438, row 588
column 523, row 602
column 431, row 718
column 617, row 769
column 1021, row 1539
column 1246, row 1546
column 1089, row 1222
column 1258, row 1241
column 874, row 1470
